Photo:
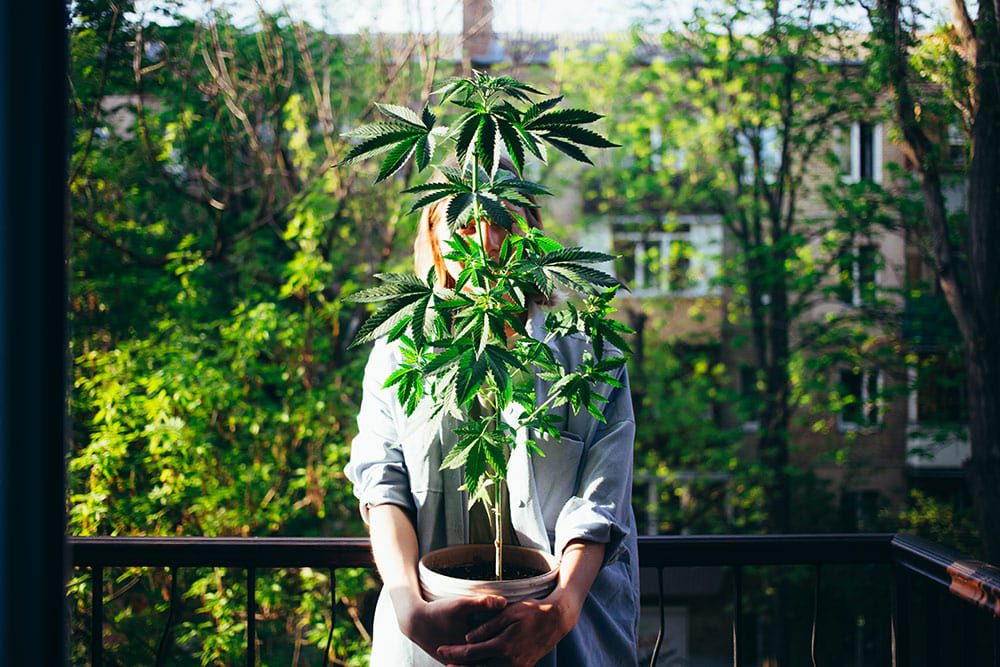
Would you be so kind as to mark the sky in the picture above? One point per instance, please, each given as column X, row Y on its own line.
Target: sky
column 510, row 16
column 534, row 16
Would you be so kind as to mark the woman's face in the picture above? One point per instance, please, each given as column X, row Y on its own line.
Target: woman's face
column 493, row 238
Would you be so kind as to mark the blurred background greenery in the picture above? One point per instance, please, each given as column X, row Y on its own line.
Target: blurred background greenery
column 213, row 247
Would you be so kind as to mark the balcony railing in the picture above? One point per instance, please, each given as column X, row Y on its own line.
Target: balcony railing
column 918, row 567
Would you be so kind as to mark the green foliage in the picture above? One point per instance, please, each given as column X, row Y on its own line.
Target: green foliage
column 743, row 121
column 466, row 348
column 942, row 521
column 214, row 389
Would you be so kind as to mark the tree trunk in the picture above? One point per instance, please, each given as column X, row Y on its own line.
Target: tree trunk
column 983, row 468
column 975, row 300
column 983, row 347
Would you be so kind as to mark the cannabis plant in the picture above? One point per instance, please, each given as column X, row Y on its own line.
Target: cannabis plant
column 466, row 348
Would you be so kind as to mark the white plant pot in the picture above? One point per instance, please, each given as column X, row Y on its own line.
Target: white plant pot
column 436, row 586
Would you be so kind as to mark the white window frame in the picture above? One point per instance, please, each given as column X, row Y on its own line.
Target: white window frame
column 705, row 264
column 856, row 273
column 948, row 448
column 854, row 170
column 867, row 402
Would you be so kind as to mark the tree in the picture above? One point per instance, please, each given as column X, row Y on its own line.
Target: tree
column 966, row 247
column 212, row 250
column 745, row 110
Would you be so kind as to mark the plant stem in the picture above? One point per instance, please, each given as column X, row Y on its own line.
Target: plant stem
column 477, row 215
column 498, row 518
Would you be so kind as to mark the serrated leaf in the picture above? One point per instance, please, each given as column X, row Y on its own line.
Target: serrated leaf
column 471, row 374
column 399, row 113
column 424, row 152
column 578, row 135
column 377, row 130
column 512, row 141
column 497, row 212
column 564, row 116
column 430, row 199
column 459, row 210
column 575, row 254
column 382, row 321
column 457, row 457
column 489, row 156
column 449, row 88
column 396, row 158
column 529, row 142
column 376, row 146
column 466, row 134
column 428, row 117
column 539, row 108
column 401, row 279
column 443, row 359
column 568, row 149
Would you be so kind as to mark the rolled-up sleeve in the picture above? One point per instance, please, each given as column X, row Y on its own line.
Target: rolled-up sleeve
column 376, row 468
column 601, row 510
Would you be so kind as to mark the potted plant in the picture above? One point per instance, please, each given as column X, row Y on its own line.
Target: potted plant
column 466, row 349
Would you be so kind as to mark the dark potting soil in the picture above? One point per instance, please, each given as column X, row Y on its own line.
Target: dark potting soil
column 485, row 571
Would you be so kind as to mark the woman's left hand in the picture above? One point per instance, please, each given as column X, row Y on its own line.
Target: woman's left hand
column 519, row 636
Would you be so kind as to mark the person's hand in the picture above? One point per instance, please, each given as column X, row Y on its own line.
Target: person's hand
column 431, row 624
column 521, row 635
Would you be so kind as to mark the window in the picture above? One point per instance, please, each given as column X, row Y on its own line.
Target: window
column 937, row 396
column 861, row 399
column 957, row 145
column 858, row 275
column 677, row 258
column 866, row 152
column 770, row 153
column 749, row 397
column 860, row 509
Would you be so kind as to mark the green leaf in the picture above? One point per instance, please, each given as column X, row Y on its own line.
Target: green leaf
column 486, row 147
column 497, row 212
column 376, row 145
column 568, row 149
column 450, row 87
column 443, row 360
column 396, row 158
column 379, row 129
column 575, row 254
column 426, row 200
column 563, row 116
column 384, row 320
column 400, row 113
column 424, row 151
column 512, row 141
column 539, row 108
column 428, row 117
column 466, row 134
column 459, row 210
column 471, row 374
column 581, row 278
column 578, row 135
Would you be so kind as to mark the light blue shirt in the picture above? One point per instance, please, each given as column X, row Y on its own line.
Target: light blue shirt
column 580, row 489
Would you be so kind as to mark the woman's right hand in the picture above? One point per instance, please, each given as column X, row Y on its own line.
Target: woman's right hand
column 430, row 625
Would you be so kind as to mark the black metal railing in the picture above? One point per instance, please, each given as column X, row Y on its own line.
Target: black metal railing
column 919, row 569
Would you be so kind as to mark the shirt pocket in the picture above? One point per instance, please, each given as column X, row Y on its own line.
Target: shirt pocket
column 555, row 475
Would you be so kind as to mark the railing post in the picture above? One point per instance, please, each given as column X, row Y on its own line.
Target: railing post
column 333, row 616
column 96, row 615
column 659, row 635
column 900, row 618
column 815, row 623
column 251, row 616
column 996, row 641
column 738, row 616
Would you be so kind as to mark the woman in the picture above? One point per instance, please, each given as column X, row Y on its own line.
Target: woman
column 574, row 502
